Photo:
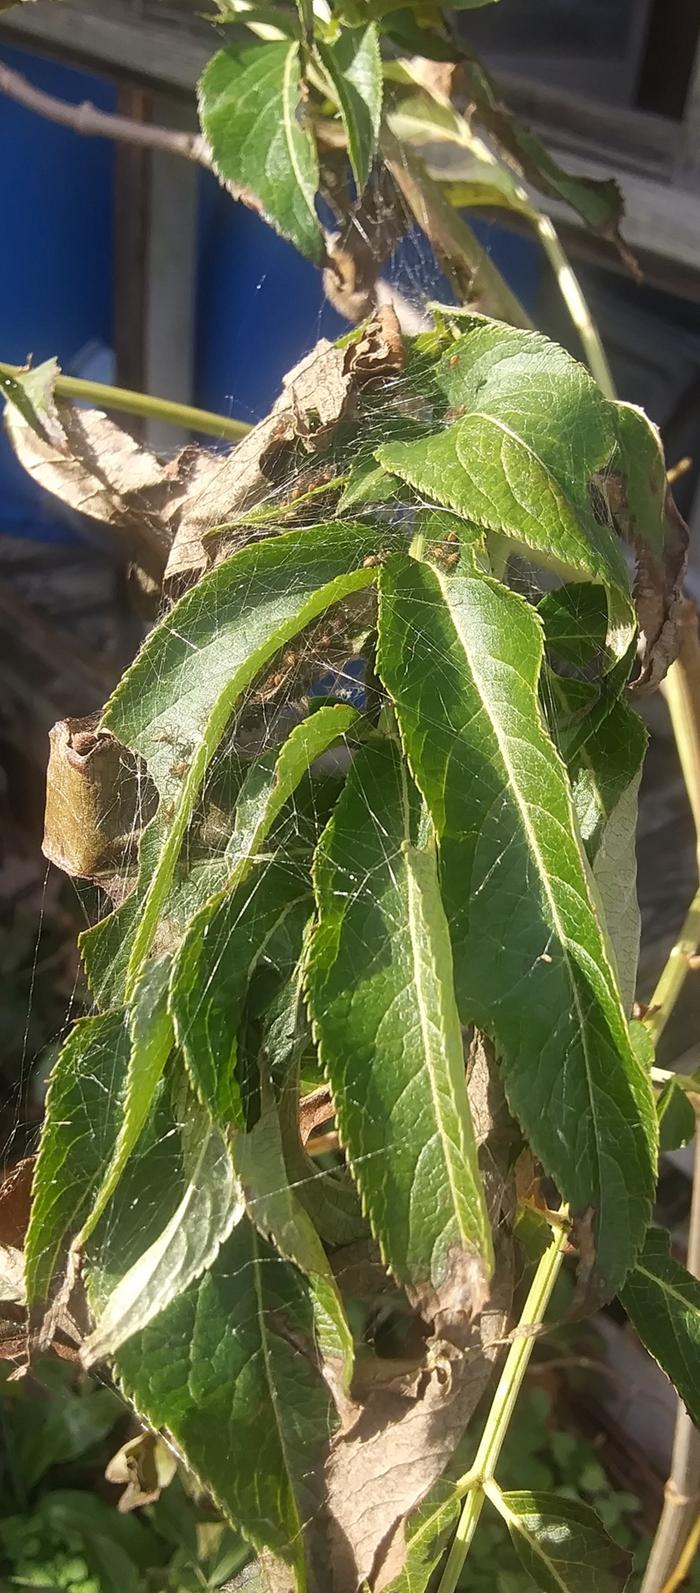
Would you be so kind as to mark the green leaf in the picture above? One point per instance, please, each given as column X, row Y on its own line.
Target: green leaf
column 354, row 66
column 211, row 975
column 250, row 106
column 575, row 623
column 461, row 658
column 228, row 1369
column 662, row 1300
column 598, row 203
column 643, row 470
column 562, row 1544
column 83, row 1108
column 151, row 1035
column 676, row 1118
column 210, row 1207
column 328, row 1195
column 60, row 1427
column 188, row 677
column 383, row 1008
column 115, row 1550
column 273, row 778
column 275, row 1209
column 533, row 430
column 427, row 1536
column 306, row 20
column 427, row 38
column 31, row 392
column 605, row 777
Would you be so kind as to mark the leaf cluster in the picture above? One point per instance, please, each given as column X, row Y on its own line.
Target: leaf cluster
column 318, row 111
column 368, row 961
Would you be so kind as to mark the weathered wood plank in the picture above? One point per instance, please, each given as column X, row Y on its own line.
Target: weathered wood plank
column 168, row 54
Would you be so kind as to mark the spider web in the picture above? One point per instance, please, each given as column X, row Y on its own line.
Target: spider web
column 324, row 662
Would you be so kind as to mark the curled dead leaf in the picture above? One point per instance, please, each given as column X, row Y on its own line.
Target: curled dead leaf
column 97, row 798
column 381, row 1469
column 145, row 1465
column 658, row 597
column 317, row 395
column 91, row 464
column 408, row 1421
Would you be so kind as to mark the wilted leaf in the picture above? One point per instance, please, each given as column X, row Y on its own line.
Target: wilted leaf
column 461, row 658
column 645, row 510
column 184, row 685
column 91, row 464
column 383, row 1009
column 250, row 105
column 354, row 66
column 386, row 1464
column 211, row 975
column 229, row 1369
column 676, row 1117
column 145, row 1465
column 83, row 1108
column 274, row 1207
column 562, row 1544
column 662, row 1300
column 151, row 1041
column 598, row 203
column 97, row 796
column 210, row 1207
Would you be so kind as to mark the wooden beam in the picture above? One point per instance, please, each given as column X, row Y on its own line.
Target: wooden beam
column 106, row 38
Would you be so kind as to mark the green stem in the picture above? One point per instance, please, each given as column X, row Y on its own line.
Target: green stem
column 473, row 272
column 675, row 972
column 571, row 292
column 682, row 692
column 130, row 403
column 502, row 1407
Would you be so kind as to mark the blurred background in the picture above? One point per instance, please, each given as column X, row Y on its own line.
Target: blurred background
column 136, row 268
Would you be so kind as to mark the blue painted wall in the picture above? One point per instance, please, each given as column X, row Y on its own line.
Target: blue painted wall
column 56, row 278
column 260, row 306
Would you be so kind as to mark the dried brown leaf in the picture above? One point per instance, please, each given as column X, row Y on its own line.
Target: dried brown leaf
column 97, row 798
column 145, row 1465
column 317, row 394
column 91, row 464
column 658, row 597
column 402, row 1436
column 381, row 1469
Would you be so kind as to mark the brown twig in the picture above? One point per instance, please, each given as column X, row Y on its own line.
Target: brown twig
column 682, row 1492
column 90, row 122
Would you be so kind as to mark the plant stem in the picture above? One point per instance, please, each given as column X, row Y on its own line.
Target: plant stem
column 690, row 1549
column 676, row 1527
column 130, row 403
column 502, row 1407
column 682, row 692
column 679, row 1522
column 675, row 971
column 571, row 292
column 474, row 274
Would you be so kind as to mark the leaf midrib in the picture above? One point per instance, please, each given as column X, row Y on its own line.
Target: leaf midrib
column 290, row 98
column 535, row 848
column 413, row 904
